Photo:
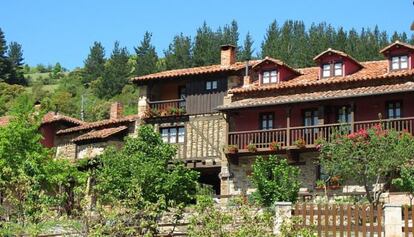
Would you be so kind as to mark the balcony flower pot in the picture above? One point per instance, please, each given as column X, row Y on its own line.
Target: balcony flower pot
column 251, row 148
column 231, row 149
column 173, row 111
column 300, row 143
column 274, row 146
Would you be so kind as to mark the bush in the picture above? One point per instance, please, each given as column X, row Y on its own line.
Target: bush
column 275, row 180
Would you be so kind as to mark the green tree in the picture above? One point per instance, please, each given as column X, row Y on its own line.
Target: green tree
column 5, row 65
column 94, row 64
column 406, row 181
column 367, row 157
column 247, row 50
column 275, row 180
column 230, row 34
column 206, row 46
column 145, row 165
column 178, row 54
column 270, row 45
column 146, row 56
column 116, row 74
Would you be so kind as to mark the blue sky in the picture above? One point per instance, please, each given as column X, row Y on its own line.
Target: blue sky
column 62, row 31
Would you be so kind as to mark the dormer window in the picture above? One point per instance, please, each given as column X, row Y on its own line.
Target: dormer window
column 399, row 62
column 332, row 69
column 269, row 77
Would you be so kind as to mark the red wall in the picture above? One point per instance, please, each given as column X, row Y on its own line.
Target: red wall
column 350, row 66
column 283, row 72
column 48, row 132
column 402, row 51
column 366, row 108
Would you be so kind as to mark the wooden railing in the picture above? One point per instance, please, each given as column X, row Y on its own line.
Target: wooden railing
column 166, row 104
column 309, row 135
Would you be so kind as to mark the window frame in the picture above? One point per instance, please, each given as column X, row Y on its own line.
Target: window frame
column 267, row 114
column 332, row 70
column 399, row 56
column 312, row 110
column 348, row 109
column 211, row 84
column 270, row 77
column 387, row 103
column 169, row 134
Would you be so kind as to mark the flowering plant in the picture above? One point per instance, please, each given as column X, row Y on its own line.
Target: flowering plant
column 232, row 149
column 251, row 147
column 300, row 143
column 274, row 146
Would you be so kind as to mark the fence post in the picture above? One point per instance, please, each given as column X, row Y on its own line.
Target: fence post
column 283, row 210
column 392, row 220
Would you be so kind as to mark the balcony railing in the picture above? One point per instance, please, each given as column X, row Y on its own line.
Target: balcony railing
column 166, row 108
column 308, row 135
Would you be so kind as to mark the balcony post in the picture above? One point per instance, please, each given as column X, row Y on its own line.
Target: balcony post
column 288, row 110
column 352, row 117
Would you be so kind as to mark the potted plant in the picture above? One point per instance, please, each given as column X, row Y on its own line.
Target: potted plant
column 320, row 184
column 173, row 111
column 232, row 149
column 335, row 182
column 181, row 111
column 274, row 146
column 300, row 143
column 251, row 147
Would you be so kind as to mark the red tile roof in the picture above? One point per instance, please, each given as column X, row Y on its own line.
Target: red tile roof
column 55, row 117
column 333, row 51
column 99, row 124
column 194, row 71
column 397, row 43
column 99, row 134
column 321, row 95
column 373, row 70
column 275, row 61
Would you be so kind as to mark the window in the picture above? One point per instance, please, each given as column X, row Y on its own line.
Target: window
column 211, row 85
column 394, row 110
column 338, row 69
column 269, row 77
column 333, row 69
column 173, row 134
column 266, row 121
column 343, row 114
column 310, row 117
column 326, row 70
column 182, row 94
column 399, row 62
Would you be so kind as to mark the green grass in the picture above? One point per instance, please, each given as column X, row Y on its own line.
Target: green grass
column 49, row 88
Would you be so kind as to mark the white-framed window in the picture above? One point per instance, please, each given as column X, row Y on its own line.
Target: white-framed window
column 399, row 62
column 326, row 70
column 173, row 134
column 332, row 69
column 394, row 110
column 338, row 69
column 211, row 85
column 269, row 77
column 266, row 121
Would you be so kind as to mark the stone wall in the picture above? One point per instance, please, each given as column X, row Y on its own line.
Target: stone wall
column 95, row 149
column 239, row 181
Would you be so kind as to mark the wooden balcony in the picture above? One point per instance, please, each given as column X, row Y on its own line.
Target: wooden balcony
column 288, row 137
column 166, row 108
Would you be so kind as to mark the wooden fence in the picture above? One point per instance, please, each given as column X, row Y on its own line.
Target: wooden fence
column 341, row 220
column 408, row 217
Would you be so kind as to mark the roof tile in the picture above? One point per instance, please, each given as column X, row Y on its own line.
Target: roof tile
column 99, row 134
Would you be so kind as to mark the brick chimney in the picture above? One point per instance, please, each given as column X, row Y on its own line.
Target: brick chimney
column 116, row 111
column 228, row 55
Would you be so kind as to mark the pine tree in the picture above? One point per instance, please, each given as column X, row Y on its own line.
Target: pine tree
column 15, row 58
column 94, row 65
column 247, row 51
column 230, row 34
column 116, row 74
column 5, row 65
column 270, row 45
column 146, row 56
column 178, row 54
column 206, row 46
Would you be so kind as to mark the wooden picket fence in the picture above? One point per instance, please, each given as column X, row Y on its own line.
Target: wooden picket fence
column 408, row 217
column 341, row 220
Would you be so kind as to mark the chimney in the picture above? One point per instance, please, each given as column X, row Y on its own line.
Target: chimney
column 228, row 55
column 116, row 111
column 246, row 78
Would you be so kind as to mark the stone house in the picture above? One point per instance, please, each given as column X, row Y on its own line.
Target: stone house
column 260, row 103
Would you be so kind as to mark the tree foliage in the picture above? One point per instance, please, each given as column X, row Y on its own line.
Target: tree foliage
column 178, row 54
column 94, row 64
column 146, row 56
column 145, row 165
column 275, row 180
column 367, row 157
column 405, row 181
